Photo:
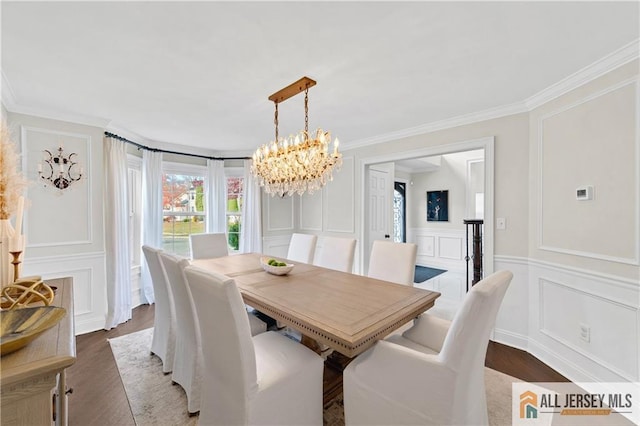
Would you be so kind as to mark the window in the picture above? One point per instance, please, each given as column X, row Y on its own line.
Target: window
column 400, row 212
column 235, row 187
column 182, row 206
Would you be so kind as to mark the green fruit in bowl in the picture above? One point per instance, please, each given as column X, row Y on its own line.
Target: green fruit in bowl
column 281, row 264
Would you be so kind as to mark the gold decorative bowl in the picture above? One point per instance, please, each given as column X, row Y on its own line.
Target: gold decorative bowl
column 21, row 326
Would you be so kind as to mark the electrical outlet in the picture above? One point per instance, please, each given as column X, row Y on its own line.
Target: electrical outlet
column 585, row 332
column 501, row 223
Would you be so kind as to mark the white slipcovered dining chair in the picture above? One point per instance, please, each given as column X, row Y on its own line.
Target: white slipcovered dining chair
column 395, row 262
column 336, row 253
column 264, row 379
column 187, row 363
column 164, row 321
column 302, row 247
column 207, row 246
column 434, row 373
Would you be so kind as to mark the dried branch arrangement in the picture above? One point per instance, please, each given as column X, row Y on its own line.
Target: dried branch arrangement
column 12, row 181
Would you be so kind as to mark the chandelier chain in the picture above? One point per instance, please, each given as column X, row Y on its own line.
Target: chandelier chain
column 275, row 120
column 306, row 110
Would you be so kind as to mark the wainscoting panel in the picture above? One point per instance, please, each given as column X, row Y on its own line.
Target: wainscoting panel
column 339, row 196
column 311, row 212
column 276, row 246
column 590, row 325
column 438, row 248
column 585, row 325
column 89, row 287
column 279, row 215
column 426, row 244
column 512, row 323
column 450, row 247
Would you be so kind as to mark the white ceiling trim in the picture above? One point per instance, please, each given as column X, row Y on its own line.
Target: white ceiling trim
column 488, row 114
column 8, row 97
column 589, row 73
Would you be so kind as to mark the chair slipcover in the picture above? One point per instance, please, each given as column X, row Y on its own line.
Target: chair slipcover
column 265, row 379
column 207, row 246
column 336, row 253
column 164, row 321
column 432, row 374
column 395, row 262
column 302, row 247
column 187, row 363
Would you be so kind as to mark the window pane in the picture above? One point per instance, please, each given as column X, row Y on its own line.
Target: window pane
column 233, row 231
column 234, row 211
column 183, row 211
column 234, row 194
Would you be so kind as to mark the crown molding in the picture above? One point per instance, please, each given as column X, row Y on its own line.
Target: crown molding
column 8, row 96
column 488, row 114
column 622, row 56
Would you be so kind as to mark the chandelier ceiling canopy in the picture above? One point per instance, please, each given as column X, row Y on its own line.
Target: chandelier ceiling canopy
column 300, row 163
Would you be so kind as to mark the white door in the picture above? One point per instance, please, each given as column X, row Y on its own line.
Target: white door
column 379, row 205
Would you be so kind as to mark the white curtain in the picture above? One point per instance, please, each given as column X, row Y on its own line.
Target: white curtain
column 215, row 188
column 116, row 210
column 151, row 215
column 251, row 230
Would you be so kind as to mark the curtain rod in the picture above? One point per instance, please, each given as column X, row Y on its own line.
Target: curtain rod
column 120, row 138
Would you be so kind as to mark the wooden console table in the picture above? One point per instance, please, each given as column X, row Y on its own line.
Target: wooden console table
column 31, row 376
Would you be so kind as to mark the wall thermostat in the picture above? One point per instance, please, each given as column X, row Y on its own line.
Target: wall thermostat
column 584, row 193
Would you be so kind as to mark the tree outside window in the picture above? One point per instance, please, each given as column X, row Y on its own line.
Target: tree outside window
column 182, row 209
column 234, row 211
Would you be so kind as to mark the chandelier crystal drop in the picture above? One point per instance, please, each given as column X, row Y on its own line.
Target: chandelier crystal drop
column 297, row 164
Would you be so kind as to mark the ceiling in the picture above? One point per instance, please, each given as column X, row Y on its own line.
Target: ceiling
column 199, row 73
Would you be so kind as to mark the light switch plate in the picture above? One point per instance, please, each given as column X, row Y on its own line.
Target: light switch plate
column 501, row 223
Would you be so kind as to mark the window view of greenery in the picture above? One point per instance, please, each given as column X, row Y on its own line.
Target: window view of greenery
column 183, row 211
column 234, row 211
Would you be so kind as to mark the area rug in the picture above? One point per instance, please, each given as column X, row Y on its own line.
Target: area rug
column 424, row 273
column 155, row 401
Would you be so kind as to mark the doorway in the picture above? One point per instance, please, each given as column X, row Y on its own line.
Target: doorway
column 388, row 161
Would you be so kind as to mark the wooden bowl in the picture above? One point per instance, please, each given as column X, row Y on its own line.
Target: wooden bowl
column 275, row 270
column 21, row 326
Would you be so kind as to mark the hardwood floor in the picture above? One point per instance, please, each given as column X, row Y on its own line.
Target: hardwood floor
column 98, row 396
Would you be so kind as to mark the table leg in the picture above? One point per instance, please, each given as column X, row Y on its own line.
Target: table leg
column 311, row 343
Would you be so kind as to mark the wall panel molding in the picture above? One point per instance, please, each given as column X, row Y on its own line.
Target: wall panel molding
column 276, row 209
column 609, row 304
column 89, row 284
column 553, row 324
column 49, row 195
column 439, row 248
column 340, row 192
column 542, row 245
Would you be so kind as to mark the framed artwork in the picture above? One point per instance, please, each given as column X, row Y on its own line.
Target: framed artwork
column 438, row 206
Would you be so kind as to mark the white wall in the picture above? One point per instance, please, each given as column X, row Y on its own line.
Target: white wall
column 65, row 230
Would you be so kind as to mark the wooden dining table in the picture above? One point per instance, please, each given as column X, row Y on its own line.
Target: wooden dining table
column 344, row 311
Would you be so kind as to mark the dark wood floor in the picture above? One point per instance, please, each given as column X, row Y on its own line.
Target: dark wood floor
column 98, row 396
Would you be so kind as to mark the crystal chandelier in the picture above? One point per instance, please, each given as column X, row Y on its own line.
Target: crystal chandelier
column 296, row 164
